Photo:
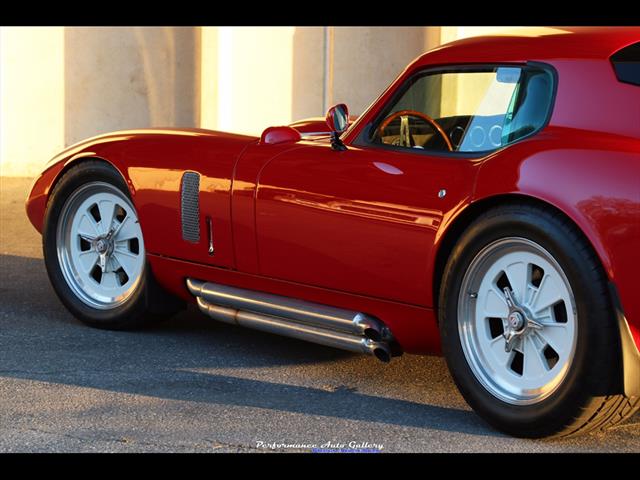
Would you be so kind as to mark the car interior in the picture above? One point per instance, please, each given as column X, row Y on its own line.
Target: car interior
column 527, row 111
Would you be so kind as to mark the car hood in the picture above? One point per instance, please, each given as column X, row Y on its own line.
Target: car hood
column 85, row 145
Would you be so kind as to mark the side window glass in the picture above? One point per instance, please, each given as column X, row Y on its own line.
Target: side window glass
column 626, row 63
column 467, row 111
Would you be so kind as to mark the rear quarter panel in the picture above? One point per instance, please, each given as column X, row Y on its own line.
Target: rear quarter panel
column 594, row 179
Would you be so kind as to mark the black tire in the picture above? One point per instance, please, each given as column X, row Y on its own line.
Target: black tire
column 148, row 303
column 589, row 396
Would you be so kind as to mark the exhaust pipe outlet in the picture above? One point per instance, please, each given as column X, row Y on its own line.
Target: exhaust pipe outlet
column 368, row 327
column 379, row 350
column 382, row 354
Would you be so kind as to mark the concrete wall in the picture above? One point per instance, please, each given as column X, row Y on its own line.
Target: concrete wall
column 250, row 85
column 307, row 86
column 118, row 78
column 61, row 85
column 31, row 98
column 368, row 59
column 351, row 64
column 276, row 75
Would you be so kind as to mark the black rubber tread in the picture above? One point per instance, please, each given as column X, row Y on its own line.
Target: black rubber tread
column 604, row 413
column 149, row 304
column 593, row 400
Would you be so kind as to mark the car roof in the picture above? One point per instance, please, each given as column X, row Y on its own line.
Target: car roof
column 520, row 45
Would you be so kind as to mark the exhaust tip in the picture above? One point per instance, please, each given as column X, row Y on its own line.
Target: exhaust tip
column 369, row 327
column 194, row 286
column 372, row 334
column 382, row 355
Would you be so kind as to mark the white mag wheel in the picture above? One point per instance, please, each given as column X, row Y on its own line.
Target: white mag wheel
column 99, row 245
column 517, row 321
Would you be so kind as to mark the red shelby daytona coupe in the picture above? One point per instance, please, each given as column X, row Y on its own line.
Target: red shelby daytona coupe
column 486, row 206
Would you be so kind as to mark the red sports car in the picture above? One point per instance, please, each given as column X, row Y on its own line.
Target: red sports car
column 486, row 206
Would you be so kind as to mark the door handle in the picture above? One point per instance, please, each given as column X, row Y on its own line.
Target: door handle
column 210, row 235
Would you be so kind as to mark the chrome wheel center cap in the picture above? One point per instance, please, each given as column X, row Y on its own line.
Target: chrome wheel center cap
column 516, row 321
column 102, row 246
column 519, row 322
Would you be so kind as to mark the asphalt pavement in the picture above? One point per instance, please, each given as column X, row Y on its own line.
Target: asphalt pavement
column 194, row 385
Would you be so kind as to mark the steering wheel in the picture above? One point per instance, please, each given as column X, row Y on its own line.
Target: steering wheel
column 405, row 136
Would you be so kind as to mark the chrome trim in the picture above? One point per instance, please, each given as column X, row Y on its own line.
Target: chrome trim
column 210, row 234
column 344, row 329
column 314, row 134
column 301, row 311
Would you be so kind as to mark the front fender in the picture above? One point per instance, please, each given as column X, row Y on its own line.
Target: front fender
column 152, row 162
column 42, row 185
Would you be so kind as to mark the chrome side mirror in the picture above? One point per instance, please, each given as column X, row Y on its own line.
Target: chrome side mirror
column 338, row 118
column 338, row 121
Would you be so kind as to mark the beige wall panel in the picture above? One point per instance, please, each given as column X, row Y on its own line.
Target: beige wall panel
column 368, row 59
column 31, row 98
column 308, row 73
column 62, row 85
column 120, row 77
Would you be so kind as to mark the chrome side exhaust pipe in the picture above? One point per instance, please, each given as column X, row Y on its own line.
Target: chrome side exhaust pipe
column 301, row 311
column 308, row 333
column 294, row 318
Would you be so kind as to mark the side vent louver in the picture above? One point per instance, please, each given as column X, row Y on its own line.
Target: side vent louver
column 190, row 206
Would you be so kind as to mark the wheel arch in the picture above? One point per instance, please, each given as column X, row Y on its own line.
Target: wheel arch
column 42, row 187
column 463, row 219
column 84, row 158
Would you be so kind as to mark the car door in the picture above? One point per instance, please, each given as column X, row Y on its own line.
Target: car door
column 362, row 221
column 365, row 220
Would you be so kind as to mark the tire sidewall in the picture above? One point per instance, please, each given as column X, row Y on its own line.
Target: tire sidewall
column 552, row 413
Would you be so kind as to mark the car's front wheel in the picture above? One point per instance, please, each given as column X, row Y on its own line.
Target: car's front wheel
column 94, row 251
column 527, row 328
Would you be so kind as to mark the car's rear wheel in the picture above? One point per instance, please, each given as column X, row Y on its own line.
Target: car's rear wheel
column 518, row 330
column 94, row 251
column 527, row 328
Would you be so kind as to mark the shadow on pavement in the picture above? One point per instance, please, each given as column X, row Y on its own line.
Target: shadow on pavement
column 41, row 341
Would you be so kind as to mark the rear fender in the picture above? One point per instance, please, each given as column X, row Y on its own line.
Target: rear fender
column 591, row 178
